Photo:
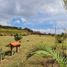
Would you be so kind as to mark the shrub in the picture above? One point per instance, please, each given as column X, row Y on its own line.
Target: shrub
column 17, row 37
column 60, row 38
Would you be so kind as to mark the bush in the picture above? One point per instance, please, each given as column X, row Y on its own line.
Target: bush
column 17, row 37
column 60, row 38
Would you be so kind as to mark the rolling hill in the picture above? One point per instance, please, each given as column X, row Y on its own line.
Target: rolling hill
column 9, row 30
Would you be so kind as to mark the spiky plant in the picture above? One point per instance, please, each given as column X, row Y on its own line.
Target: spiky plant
column 47, row 51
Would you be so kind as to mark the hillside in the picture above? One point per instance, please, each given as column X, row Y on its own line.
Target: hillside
column 8, row 30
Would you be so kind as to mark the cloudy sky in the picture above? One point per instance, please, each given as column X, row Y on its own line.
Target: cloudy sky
column 39, row 15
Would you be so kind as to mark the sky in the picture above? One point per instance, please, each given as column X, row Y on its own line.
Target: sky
column 38, row 15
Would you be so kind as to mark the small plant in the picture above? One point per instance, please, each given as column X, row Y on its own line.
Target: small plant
column 17, row 37
column 2, row 54
column 60, row 38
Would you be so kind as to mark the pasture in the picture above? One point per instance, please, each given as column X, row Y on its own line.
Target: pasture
column 27, row 43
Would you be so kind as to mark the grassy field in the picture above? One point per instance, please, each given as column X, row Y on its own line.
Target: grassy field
column 27, row 43
column 10, row 31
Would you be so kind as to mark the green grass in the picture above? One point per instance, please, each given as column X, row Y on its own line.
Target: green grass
column 27, row 43
column 10, row 31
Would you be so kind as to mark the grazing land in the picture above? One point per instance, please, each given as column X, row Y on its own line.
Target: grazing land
column 27, row 43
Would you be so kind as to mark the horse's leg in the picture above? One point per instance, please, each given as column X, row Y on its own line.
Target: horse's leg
column 16, row 48
column 11, row 49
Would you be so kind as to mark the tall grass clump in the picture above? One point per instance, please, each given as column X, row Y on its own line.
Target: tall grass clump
column 47, row 51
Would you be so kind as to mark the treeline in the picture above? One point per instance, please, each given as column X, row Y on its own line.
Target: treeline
column 11, row 27
column 10, row 30
column 28, row 29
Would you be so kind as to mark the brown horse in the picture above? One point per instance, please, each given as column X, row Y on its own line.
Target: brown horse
column 15, row 44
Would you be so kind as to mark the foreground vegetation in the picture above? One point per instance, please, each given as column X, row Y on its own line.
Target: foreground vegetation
column 51, row 53
column 28, row 43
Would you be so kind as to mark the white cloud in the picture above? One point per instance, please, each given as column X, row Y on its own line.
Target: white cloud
column 51, row 10
column 23, row 19
column 28, row 8
column 58, row 31
column 4, row 22
column 54, row 7
column 61, row 24
column 20, row 20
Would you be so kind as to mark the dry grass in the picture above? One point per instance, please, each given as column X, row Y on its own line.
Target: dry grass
column 28, row 42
